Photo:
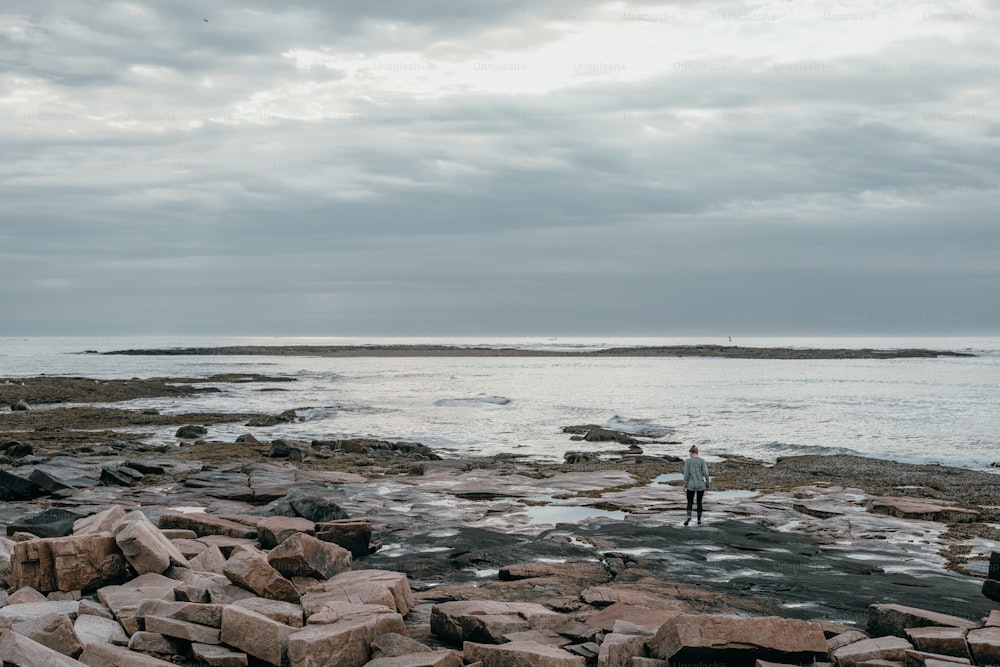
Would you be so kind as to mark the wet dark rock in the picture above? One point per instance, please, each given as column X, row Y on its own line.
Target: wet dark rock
column 574, row 458
column 991, row 589
column 52, row 481
column 53, row 522
column 248, row 439
column 263, row 421
column 16, row 449
column 286, row 417
column 190, row 432
column 306, row 505
column 20, row 406
column 994, row 571
column 28, row 460
column 145, row 467
column 16, row 487
column 372, row 447
column 120, row 476
column 595, row 433
column 288, row 449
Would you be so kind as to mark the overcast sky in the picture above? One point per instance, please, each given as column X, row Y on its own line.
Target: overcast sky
column 447, row 167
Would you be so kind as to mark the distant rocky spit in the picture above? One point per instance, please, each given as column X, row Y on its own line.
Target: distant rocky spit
column 351, row 552
column 408, row 350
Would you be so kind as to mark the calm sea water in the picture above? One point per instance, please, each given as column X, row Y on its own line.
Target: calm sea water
column 918, row 410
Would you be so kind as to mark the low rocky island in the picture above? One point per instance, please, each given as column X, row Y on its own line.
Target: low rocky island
column 404, row 350
column 259, row 550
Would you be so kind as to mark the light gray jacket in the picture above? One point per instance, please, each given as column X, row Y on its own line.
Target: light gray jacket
column 696, row 474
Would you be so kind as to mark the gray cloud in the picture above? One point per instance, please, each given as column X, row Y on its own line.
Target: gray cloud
column 509, row 168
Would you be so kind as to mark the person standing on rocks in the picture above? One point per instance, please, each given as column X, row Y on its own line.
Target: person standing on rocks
column 696, row 480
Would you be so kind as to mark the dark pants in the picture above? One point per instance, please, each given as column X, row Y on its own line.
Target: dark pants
column 692, row 495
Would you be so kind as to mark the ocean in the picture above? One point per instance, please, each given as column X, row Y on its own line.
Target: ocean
column 942, row 410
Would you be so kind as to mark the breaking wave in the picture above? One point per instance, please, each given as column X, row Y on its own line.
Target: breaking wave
column 495, row 400
column 792, row 449
column 643, row 427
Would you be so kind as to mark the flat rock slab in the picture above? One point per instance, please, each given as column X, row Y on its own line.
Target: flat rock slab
column 95, row 629
column 109, row 655
column 895, row 619
column 211, row 655
column 145, row 547
column 984, row 644
column 945, row 641
column 287, row 613
column 922, row 509
column 443, row 658
column 207, row 524
column 690, row 638
column 866, row 650
column 487, row 621
column 29, row 611
column 124, row 600
column 343, row 643
column 391, row 589
column 20, row 651
column 256, row 634
column 521, row 653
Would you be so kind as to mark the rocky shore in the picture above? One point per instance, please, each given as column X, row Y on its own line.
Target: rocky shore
column 728, row 351
column 265, row 551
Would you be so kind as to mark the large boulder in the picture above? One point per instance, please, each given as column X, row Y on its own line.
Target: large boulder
column 487, row 621
column 944, row 641
column 6, row 552
column 73, row 563
column 442, row 658
column 102, row 522
column 302, row 555
column 16, row 487
column 144, row 546
column 203, row 614
column 209, row 559
column 887, row 647
column 619, row 649
column 124, row 600
column 306, row 505
column 382, row 587
column 53, row 522
column 895, row 619
column 191, row 432
column 273, row 530
column 355, row 535
column 248, row 567
column 991, row 589
column 92, row 629
column 179, row 629
column 256, row 635
column 20, row 651
column 514, row 654
column 287, row 613
column 28, row 611
column 208, row 524
column 109, row 655
column 689, row 638
column 984, row 643
column 52, row 630
column 343, row 638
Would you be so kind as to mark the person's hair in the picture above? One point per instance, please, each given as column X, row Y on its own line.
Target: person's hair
column 694, row 449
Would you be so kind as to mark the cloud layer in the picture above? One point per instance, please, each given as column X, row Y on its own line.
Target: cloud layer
column 441, row 168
